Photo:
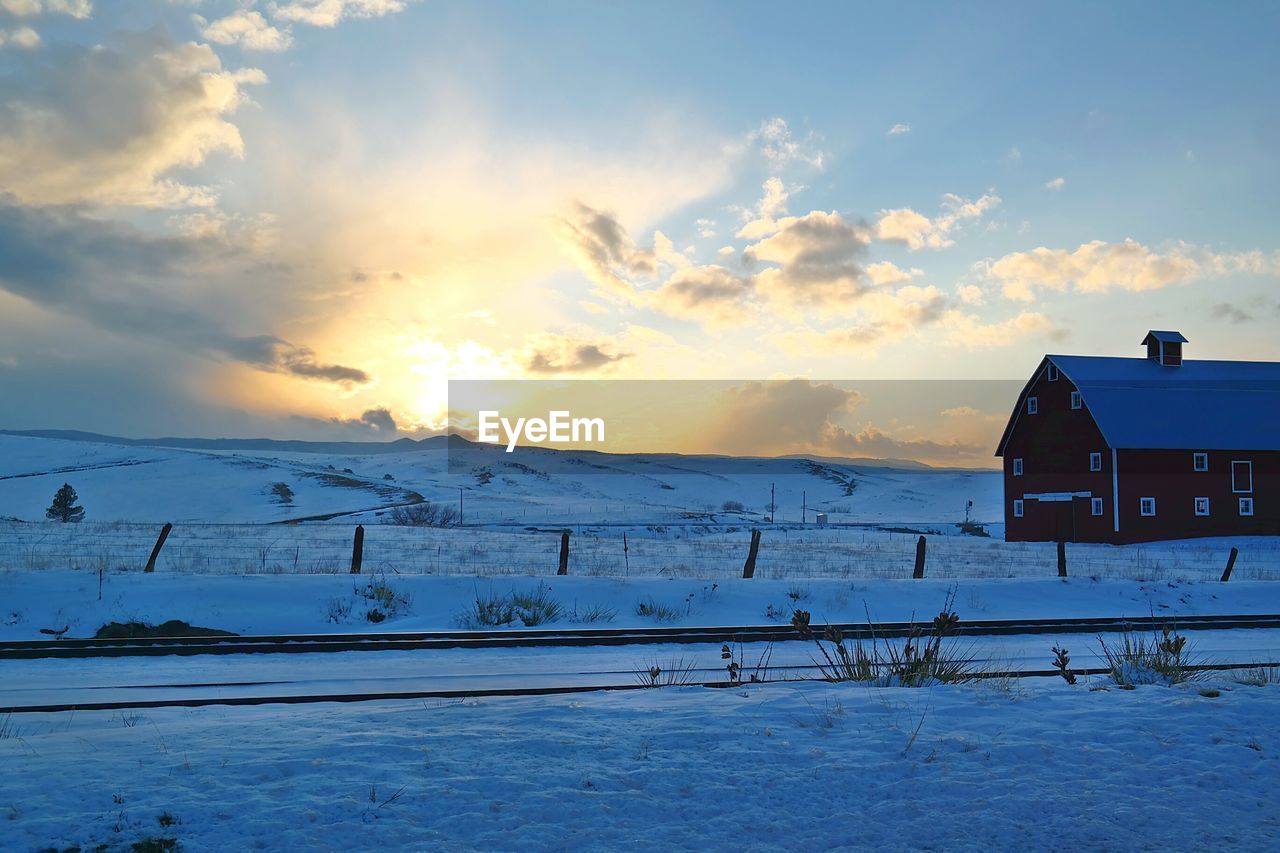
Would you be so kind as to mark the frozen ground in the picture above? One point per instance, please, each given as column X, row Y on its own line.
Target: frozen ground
column 773, row 767
column 535, row 486
column 273, row 604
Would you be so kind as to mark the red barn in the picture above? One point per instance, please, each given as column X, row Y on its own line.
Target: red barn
column 1139, row 449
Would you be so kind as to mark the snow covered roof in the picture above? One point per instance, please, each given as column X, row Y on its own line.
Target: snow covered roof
column 1205, row 405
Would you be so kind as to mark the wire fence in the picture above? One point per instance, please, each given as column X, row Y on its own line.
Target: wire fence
column 702, row 551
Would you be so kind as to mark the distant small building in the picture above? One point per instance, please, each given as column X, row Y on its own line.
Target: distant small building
column 821, row 518
column 1139, row 449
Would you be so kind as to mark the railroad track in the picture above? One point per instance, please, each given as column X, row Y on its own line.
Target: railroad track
column 200, row 701
column 407, row 641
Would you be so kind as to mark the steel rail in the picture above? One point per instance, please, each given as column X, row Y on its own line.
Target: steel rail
column 570, row 637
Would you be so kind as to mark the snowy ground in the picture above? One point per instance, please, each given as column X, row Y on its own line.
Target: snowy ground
column 275, row 604
column 773, row 767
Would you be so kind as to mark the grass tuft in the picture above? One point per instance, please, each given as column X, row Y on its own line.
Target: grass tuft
column 1162, row 658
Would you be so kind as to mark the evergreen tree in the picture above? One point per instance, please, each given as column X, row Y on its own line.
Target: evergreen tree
column 64, row 506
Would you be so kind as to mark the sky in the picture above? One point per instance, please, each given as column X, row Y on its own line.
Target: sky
column 302, row 218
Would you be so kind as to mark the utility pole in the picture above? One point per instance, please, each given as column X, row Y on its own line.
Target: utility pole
column 460, row 506
column 772, row 505
column 804, row 507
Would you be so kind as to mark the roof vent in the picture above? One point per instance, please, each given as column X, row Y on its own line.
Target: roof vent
column 1165, row 347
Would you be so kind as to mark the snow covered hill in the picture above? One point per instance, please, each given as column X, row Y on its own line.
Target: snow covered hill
column 131, row 482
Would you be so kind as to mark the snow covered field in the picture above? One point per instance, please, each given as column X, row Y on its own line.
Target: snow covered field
column 773, row 767
column 272, row 604
column 1032, row 764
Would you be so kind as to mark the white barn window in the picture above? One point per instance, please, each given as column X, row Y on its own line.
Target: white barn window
column 1017, row 467
column 1147, row 506
column 1075, row 400
column 1200, row 461
column 1246, row 506
column 1033, row 405
column 1018, row 507
column 1095, row 506
column 1241, row 476
column 1052, row 373
column 1095, row 461
column 1202, row 506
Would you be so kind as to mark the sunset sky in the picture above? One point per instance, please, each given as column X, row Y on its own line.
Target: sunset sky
column 300, row 218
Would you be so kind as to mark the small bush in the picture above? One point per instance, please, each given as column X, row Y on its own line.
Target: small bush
column 732, row 506
column 530, row 608
column 1160, row 659
column 661, row 612
column 924, row 658
column 1258, row 676
column 339, row 610
column 425, row 514
column 593, row 614
column 8, row 731
column 387, row 601
column 282, row 492
column 677, row 673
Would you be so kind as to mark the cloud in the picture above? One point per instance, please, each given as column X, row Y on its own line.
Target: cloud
column 918, row 231
column 103, row 124
column 970, row 294
column 28, row 8
column 604, row 249
column 899, row 129
column 247, row 28
column 817, row 256
column 711, row 294
column 961, row 412
column 706, row 228
column 1231, row 313
column 327, row 13
column 761, row 220
column 1098, row 267
column 371, row 424
column 121, row 280
column 799, row 416
column 886, row 273
column 20, row 37
column 776, row 142
column 970, row 332
column 882, row 317
column 1013, row 155
column 1056, row 184
column 559, row 354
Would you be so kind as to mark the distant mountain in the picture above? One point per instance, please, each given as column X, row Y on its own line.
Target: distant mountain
column 354, row 448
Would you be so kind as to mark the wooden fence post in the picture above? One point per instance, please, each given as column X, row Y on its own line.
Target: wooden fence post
column 155, row 552
column 564, row 554
column 626, row 556
column 918, row 572
column 1231, row 564
column 749, row 568
column 357, row 550
column 1062, row 559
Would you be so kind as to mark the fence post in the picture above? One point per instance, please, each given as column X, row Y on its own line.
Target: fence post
column 626, row 556
column 1231, row 564
column 918, row 572
column 1062, row 559
column 564, row 554
column 749, row 568
column 155, row 552
column 357, row 550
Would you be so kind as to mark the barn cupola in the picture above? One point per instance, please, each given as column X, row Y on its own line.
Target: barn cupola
column 1165, row 347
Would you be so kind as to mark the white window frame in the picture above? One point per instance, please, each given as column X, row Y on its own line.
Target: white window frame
column 1196, row 506
column 1019, row 508
column 1033, row 405
column 1017, row 467
column 1095, row 506
column 1246, row 506
column 1095, row 461
column 1051, row 372
column 1234, row 463
column 1200, row 461
column 1076, row 402
column 1142, row 507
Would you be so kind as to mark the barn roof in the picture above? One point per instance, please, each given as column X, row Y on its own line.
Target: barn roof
column 1202, row 405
